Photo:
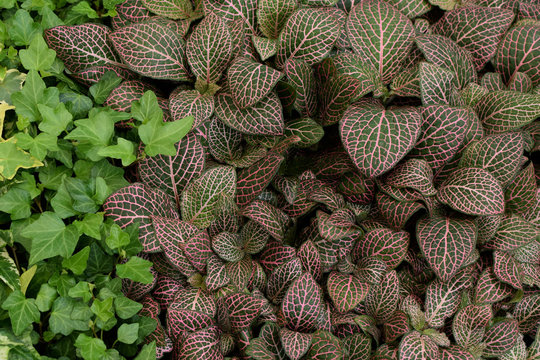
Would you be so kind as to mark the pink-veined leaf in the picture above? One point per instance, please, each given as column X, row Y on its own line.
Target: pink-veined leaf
column 93, row 74
column 275, row 254
column 437, row 84
column 325, row 346
column 377, row 140
column 443, row 131
column 133, row 11
column 472, row 93
column 216, row 276
column 254, row 237
column 498, row 153
column 203, row 344
column 527, row 312
column 240, row 272
column 301, row 305
column 138, row 203
column 123, row 95
column 253, row 180
column 390, row 246
column 310, row 258
column 209, row 48
column 266, row 48
column 492, row 82
column 507, row 269
column 173, row 173
column 274, row 220
column 383, row 298
column 233, row 10
column 173, row 9
column 513, row 232
column 242, row 309
column 181, row 320
column 455, row 352
column 346, row 291
column 301, row 77
column 272, row 15
column 504, row 110
column 520, row 194
column 264, row 118
column 411, row 9
column 370, row 269
column 476, row 29
column 501, row 337
column 165, row 290
column 396, row 213
column 415, row 174
column 396, row 326
column 224, row 143
column 191, row 102
column 82, row 46
column 446, row 244
column 382, row 35
column 473, row 191
column 250, row 81
column 227, row 246
column 307, row 129
column 489, row 289
column 415, row 346
column 407, row 82
column 518, row 52
column 444, row 52
column 280, row 279
column 151, row 49
column 203, row 195
column 295, row 344
column 469, row 325
column 308, row 35
column 520, row 82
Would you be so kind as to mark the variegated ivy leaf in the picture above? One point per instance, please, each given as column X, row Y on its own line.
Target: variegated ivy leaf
column 446, row 244
column 233, row 10
column 527, row 312
column 274, row 220
column 489, row 289
column 382, row 35
column 507, row 269
column 435, row 145
column 266, row 48
column 476, row 29
column 501, row 337
column 502, row 111
column 209, row 49
column 385, row 244
column 325, row 346
column 173, row 9
column 383, row 298
column 272, row 15
column 415, row 346
column 377, row 140
column 254, row 179
column 250, row 81
column 469, row 325
column 472, row 191
column 346, row 291
column 415, row 174
column 513, row 232
column 445, row 53
column 300, row 76
column 191, row 102
column 308, row 35
column 499, row 154
column 518, row 53
column 173, row 173
column 437, row 84
column 137, row 203
column 151, row 49
column 264, row 118
column 82, row 46
column 301, row 305
column 202, row 197
column 295, row 344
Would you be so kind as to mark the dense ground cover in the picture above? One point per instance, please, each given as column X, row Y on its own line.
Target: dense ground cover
column 271, row 179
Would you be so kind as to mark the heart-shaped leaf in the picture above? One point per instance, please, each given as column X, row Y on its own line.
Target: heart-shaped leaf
column 415, row 174
column 280, row 279
column 250, row 81
column 242, row 309
column 513, row 232
column 325, row 346
column 151, row 49
column 527, row 312
column 272, row 15
column 507, row 269
column 437, row 84
column 377, row 140
column 201, row 198
column 173, row 173
column 446, row 244
column 270, row 217
column 308, row 35
column 301, row 305
column 469, row 324
column 501, row 337
column 472, row 191
column 390, row 246
column 346, row 291
column 202, row 344
column 264, row 118
column 382, row 300
column 227, row 246
column 191, row 102
column 415, row 346
column 138, row 203
column 295, row 344
column 388, row 46
column 173, row 9
column 489, row 289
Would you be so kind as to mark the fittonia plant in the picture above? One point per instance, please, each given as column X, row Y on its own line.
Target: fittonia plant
column 359, row 181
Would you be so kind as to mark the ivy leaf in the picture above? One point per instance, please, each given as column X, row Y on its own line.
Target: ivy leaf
column 34, row 92
column 45, row 297
column 128, row 333
column 126, row 308
column 22, row 28
column 22, row 312
column 37, row 146
column 38, row 56
column 16, row 202
column 77, row 262
column 123, row 150
column 54, row 120
column 136, row 269
column 386, row 48
column 50, row 237
column 159, row 137
column 101, row 90
column 9, row 274
column 90, row 348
